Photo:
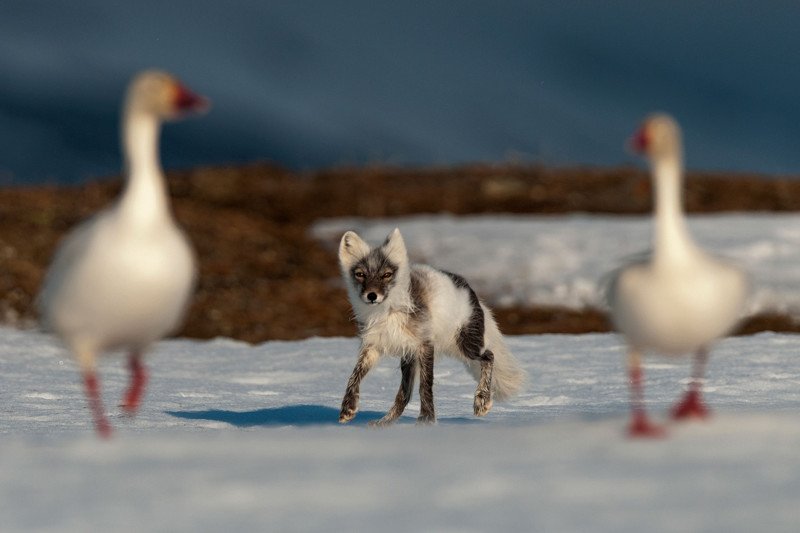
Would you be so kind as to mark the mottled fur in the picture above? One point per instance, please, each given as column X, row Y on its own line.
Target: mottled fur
column 416, row 312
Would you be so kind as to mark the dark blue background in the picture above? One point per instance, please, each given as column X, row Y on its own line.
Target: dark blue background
column 316, row 83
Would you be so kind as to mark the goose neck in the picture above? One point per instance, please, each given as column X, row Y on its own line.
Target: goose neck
column 672, row 240
column 145, row 191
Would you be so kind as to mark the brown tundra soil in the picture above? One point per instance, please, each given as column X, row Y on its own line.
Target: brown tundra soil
column 262, row 277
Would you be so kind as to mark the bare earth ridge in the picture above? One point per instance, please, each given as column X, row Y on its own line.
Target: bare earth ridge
column 261, row 275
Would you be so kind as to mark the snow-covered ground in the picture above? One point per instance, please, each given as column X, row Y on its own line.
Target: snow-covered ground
column 233, row 437
column 562, row 260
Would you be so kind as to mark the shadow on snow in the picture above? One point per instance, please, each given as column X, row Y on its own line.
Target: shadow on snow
column 295, row 415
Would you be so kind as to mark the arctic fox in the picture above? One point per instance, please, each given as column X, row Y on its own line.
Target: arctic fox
column 415, row 311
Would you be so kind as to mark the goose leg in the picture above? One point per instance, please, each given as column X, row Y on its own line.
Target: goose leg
column 640, row 425
column 138, row 381
column 692, row 405
column 84, row 353
column 96, row 404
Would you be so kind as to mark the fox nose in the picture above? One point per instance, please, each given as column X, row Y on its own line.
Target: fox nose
column 372, row 297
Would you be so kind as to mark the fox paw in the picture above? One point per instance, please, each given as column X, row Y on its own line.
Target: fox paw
column 381, row 423
column 483, row 403
column 426, row 420
column 347, row 414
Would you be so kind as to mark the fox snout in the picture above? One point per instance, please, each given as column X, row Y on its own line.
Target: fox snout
column 372, row 296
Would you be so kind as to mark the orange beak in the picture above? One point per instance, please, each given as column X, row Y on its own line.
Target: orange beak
column 640, row 141
column 186, row 100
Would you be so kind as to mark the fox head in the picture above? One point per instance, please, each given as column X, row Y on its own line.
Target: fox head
column 371, row 274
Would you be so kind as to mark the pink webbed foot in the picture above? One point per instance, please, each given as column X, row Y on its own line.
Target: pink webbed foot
column 642, row 427
column 692, row 406
column 133, row 397
column 103, row 429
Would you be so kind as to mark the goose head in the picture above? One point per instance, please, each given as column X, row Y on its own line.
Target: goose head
column 160, row 94
column 658, row 138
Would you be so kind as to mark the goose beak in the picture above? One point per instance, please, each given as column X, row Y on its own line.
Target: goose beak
column 639, row 142
column 185, row 100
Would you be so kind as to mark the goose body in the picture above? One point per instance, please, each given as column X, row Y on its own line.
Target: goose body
column 677, row 308
column 123, row 279
column 677, row 299
column 114, row 284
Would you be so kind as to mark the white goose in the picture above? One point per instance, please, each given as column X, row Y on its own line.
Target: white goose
column 678, row 299
column 122, row 279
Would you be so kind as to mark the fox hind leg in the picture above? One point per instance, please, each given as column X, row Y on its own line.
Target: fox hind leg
column 483, row 394
column 471, row 341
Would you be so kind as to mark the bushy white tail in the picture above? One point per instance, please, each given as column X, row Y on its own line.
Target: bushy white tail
column 507, row 375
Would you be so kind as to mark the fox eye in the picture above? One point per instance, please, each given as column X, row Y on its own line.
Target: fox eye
column 387, row 275
column 358, row 275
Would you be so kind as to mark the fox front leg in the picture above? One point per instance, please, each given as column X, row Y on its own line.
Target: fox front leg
column 427, row 415
column 366, row 360
column 408, row 368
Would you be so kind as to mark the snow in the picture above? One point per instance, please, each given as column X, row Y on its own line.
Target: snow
column 239, row 437
column 562, row 260
column 245, row 438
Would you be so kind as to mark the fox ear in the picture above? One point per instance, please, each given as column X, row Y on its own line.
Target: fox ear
column 352, row 248
column 395, row 248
